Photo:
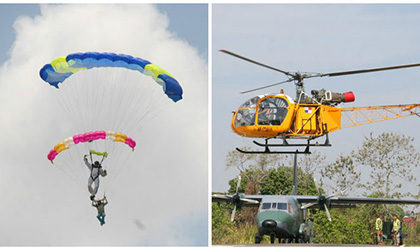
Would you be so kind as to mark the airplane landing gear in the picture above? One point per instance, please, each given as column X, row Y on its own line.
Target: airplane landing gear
column 257, row 239
column 272, row 238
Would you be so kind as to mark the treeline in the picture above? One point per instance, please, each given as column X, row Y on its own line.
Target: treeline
column 391, row 158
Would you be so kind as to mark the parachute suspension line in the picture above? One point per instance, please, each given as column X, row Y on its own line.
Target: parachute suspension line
column 114, row 165
column 113, row 94
column 73, row 102
column 118, row 164
column 75, row 171
column 91, row 160
column 121, row 90
column 68, row 107
column 153, row 106
column 73, row 178
column 103, row 157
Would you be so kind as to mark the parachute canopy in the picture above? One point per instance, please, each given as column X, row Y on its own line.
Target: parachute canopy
column 63, row 67
column 88, row 137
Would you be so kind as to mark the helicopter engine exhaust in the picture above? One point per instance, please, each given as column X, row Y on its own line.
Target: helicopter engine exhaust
column 338, row 97
column 326, row 96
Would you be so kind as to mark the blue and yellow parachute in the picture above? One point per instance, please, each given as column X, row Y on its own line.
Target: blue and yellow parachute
column 63, row 67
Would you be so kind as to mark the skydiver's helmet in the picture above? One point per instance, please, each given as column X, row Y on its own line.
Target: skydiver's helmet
column 96, row 164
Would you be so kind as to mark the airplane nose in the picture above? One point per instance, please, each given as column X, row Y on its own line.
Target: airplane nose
column 269, row 224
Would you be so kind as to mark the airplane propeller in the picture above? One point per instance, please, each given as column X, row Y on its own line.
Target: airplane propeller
column 237, row 200
column 322, row 200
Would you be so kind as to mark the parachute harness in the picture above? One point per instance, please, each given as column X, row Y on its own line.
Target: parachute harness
column 104, row 154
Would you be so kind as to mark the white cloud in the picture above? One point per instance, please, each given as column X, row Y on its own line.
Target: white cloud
column 164, row 183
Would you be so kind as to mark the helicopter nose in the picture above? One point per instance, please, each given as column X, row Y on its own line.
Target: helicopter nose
column 269, row 224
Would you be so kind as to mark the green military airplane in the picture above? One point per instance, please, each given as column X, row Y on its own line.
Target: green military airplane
column 283, row 216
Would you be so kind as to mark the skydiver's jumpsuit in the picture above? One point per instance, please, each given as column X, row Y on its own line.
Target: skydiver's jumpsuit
column 101, row 210
column 94, row 177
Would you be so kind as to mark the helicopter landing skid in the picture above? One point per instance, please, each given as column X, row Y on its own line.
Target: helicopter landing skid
column 267, row 146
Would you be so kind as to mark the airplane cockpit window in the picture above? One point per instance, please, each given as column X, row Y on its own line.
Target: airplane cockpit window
column 266, row 206
column 282, row 206
column 275, row 205
column 246, row 113
column 272, row 111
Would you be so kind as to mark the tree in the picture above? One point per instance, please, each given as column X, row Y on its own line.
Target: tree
column 309, row 164
column 343, row 174
column 391, row 158
column 238, row 160
column 280, row 181
column 347, row 227
column 253, row 168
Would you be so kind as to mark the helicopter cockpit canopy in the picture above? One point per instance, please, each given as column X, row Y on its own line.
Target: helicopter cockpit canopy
column 272, row 109
column 251, row 102
column 246, row 113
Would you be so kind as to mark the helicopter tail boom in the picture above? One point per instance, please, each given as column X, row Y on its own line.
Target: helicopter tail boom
column 364, row 115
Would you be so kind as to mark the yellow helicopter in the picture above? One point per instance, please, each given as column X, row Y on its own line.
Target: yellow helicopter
column 278, row 116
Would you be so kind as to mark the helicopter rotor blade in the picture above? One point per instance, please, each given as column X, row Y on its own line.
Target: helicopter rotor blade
column 267, row 86
column 368, row 70
column 255, row 62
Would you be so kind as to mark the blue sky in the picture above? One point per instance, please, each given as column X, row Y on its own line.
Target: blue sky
column 180, row 15
column 8, row 15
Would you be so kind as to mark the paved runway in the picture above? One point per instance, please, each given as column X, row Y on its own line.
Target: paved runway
column 306, row 245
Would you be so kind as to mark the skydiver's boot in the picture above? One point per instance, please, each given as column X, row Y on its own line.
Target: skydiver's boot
column 101, row 218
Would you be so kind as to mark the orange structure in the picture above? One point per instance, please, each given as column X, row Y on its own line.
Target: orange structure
column 278, row 116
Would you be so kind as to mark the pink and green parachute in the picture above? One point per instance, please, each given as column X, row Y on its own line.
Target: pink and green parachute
column 63, row 67
column 89, row 137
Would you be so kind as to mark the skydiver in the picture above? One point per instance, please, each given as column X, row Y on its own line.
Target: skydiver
column 100, row 205
column 95, row 171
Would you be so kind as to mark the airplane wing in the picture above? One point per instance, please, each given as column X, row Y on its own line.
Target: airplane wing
column 353, row 200
column 343, row 202
column 246, row 200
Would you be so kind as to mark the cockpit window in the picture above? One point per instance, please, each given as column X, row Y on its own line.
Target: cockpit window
column 275, row 205
column 266, row 206
column 272, row 111
column 282, row 206
column 251, row 103
column 245, row 117
column 246, row 113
